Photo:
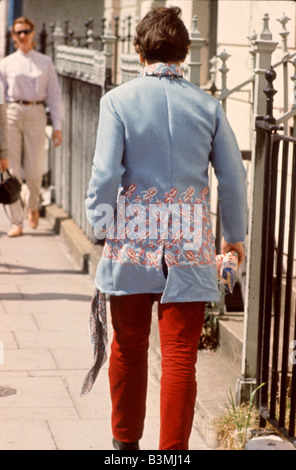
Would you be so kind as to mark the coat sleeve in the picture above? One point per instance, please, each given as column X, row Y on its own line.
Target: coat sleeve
column 227, row 161
column 107, row 166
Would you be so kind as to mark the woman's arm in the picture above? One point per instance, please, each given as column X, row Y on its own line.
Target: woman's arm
column 3, row 138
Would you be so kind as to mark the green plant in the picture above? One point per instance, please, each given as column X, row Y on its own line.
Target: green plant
column 233, row 427
column 210, row 332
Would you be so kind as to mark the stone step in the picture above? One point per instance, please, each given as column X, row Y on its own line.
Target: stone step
column 217, row 380
column 218, row 374
column 231, row 331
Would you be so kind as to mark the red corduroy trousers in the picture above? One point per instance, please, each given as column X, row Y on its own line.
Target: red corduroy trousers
column 180, row 326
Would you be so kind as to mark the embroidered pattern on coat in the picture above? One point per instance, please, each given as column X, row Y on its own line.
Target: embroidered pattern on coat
column 139, row 243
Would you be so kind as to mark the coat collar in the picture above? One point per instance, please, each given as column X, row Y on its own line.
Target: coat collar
column 161, row 69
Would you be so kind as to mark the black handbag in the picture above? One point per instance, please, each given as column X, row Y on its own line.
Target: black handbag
column 10, row 188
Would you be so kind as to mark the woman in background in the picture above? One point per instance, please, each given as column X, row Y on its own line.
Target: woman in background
column 30, row 82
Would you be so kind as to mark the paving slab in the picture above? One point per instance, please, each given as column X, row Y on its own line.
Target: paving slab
column 27, row 435
column 8, row 340
column 87, row 434
column 49, row 339
column 27, row 359
column 18, row 321
column 36, row 392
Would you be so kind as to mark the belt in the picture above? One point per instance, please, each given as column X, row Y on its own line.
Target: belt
column 28, row 103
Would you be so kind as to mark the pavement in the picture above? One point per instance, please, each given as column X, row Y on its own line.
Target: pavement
column 45, row 351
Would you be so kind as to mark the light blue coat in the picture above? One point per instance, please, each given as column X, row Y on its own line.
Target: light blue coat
column 157, row 136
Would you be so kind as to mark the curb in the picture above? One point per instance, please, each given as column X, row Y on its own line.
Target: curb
column 85, row 254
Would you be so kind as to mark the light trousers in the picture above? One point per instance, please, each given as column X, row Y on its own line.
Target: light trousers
column 180, row 326
column 26, row 139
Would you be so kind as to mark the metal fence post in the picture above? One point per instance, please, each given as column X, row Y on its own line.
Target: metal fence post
column 57, row 39
column 283, row 20
column 194, row 62
column 265, row 46
column 108, row 40
column 267, row 243
column 42, row 39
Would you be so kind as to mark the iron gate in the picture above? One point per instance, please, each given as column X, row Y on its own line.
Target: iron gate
column 276, row 364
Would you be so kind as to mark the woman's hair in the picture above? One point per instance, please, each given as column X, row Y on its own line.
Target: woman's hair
column 162, row 36
column 23, row 20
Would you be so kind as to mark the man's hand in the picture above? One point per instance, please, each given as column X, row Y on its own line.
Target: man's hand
column 4, row 164
column 238, row 247
column 57, row 138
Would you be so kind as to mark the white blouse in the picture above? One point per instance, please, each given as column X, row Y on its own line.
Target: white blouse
column 32, row 77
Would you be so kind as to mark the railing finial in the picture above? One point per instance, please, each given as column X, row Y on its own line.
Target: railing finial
column 194, row 30
column 270, row 76
column 284, row 33
column 284, row 20
column 213, row 73
column 224, row 56
column 58, row 35
column 252, row 38
column 265, row 33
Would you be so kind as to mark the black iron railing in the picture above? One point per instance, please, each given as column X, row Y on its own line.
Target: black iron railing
column 70, row 164
column 276, row 367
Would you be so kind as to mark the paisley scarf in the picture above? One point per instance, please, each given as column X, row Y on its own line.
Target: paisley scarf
column 162, row 70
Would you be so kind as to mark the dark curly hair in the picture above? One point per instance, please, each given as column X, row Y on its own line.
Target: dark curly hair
column 161, row 36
